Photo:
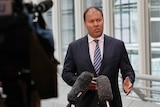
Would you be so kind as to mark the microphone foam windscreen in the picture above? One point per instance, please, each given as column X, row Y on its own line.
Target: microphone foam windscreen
column 104, row 88
column 44, row 6
column 80, row 87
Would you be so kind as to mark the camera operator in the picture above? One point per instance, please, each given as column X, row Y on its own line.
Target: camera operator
column 15, row 52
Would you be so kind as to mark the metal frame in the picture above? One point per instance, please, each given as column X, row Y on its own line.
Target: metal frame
column 140, row 90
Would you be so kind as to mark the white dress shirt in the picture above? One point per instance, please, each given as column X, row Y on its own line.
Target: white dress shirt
column 92, row 46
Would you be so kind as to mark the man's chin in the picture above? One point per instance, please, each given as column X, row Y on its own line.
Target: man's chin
column 97, row 35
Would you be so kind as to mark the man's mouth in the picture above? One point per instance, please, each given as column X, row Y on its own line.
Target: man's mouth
column 97, row 30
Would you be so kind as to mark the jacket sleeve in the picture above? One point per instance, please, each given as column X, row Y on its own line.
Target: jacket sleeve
column 69, row 69
column 125, row 65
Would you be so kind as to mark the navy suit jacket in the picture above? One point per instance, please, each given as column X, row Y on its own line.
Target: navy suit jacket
column 115, row 59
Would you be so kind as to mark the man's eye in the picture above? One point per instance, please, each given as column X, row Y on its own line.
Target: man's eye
column 98, row 20
column 91, row 21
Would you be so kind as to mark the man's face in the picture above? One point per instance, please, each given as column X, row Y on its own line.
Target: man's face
column 94, row 23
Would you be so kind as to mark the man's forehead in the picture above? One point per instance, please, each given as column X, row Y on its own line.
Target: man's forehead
column 92, row 11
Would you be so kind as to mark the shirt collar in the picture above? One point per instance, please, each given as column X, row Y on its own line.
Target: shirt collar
column 90, row 39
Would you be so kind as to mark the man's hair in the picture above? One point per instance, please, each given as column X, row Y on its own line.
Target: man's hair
column 85, row 12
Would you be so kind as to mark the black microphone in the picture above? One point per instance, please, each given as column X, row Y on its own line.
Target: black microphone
column 79, row 88
column 44, row 6
column 104, row 89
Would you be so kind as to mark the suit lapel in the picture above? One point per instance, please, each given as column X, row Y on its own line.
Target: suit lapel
column 87, row 59
column 107, row 46
column 85, row 52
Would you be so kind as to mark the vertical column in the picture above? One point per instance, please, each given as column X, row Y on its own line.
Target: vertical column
column 56, row 26
column 108, row 17
column 79, row 26
column 144, row 36
column 144, row 41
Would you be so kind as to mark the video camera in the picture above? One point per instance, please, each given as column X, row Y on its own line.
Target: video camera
column 19, row 47
column 8, row 7
column 14, row 31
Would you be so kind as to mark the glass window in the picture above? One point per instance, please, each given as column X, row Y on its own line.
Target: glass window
column 67, row 21
column 68, row 27
column 154, row 36
column 155, row 41
column 48, row 18
column 125, row 27
column 88, row 3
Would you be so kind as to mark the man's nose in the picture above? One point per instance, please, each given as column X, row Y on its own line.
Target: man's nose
column 95, row 23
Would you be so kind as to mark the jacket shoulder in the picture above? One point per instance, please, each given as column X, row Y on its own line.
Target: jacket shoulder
column 79, row 41
column 112, row 39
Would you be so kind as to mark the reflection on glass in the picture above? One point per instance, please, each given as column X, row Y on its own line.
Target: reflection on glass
column 125, row 20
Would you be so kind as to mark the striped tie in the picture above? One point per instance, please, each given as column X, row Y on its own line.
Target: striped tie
column 97, row 58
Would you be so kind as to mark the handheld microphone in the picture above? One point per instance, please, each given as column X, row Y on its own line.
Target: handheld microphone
column 79, row 87
column 44, row 6
column 104, row 89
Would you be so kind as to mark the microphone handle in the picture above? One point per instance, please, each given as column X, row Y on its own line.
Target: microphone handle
column 107, row 103
column 69, row 105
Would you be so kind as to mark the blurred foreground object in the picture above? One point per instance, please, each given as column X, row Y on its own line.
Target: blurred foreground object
column 27, row 62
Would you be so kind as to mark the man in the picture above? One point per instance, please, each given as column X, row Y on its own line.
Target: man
column 80, row 58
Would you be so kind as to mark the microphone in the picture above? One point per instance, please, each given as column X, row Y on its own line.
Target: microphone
column 44, row 6
column 79, row 87
column 104, row 89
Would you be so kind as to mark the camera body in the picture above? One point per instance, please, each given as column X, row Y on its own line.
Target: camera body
column 14, row 30
column 14, row 40
column 28, row 45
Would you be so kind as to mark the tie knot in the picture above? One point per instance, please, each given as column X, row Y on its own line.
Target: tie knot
column 96, row 41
